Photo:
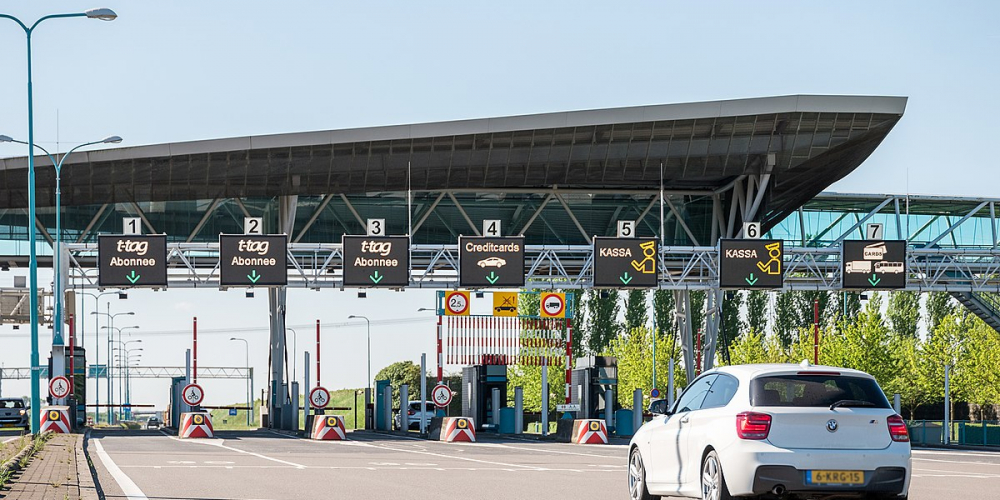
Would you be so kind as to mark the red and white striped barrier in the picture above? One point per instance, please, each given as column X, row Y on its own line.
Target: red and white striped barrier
column 458, row 429
column 196, row 425
column 56, row 419
column 328, row 428
column 589, row 432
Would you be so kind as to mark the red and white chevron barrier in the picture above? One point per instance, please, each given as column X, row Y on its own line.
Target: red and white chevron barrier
column 328, row 428
column 589, row 432
column 458, row 429
column 56, row 419
column 196, row 425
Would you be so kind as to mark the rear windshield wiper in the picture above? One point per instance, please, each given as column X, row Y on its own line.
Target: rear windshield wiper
column 850, row 402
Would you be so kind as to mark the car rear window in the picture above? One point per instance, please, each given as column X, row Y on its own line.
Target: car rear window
column 12, row 403
column 815, row 390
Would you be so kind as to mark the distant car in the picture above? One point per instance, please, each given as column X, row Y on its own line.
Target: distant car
column 492, row 262
column 413, row 414
column 773, row 431
column 14, row 414
column 153, row 422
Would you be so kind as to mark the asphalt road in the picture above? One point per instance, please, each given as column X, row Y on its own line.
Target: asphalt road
column 264, row 465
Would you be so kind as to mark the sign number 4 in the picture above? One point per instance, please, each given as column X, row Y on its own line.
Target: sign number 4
column 491, row 228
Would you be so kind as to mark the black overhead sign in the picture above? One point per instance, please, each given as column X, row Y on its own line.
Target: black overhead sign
column 874, row 264
column 625, row 262
column 491, row 262
column 376, row 261
column 132, row 261
column 253, row 260
column 751, row 264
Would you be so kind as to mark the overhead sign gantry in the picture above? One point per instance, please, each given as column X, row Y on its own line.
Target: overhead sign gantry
column 249, row 260
column 130, row 260
column 491, row 262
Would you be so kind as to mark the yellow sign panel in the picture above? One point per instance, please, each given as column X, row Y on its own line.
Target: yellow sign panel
column 553, row 305
column 505, row 304
column 456, row 303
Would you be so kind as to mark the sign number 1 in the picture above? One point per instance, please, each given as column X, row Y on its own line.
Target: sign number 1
column 132, row 226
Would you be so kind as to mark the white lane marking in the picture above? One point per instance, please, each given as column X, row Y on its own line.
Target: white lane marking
column 957, row 453
column 488, row 462
column 547, row 450
column 963, row 462
column 220, row 444
column 129, row 488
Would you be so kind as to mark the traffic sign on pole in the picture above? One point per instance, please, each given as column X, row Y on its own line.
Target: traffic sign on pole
column 625, row 262
column 253, row 260
column 59, row 387
column 441, row 394
column 376, row 261
column 319, row 398
column 132, row 261
column 751, row 264
column 456, row 303
column 491, row 262
column 193, row 394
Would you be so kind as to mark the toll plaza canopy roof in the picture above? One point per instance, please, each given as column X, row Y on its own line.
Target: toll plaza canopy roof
column 702, row 146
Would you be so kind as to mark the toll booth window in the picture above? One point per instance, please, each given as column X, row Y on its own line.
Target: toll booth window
column 721, row 393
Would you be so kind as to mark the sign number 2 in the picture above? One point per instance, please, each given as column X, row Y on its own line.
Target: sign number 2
column 253, row 225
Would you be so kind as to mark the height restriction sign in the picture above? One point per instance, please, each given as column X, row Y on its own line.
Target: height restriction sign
column 456, row 303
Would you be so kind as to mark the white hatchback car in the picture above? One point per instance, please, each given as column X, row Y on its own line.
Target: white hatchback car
column 785, row 431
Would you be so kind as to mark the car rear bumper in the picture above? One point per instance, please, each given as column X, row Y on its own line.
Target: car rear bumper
column 752, row 468
column 885, row 480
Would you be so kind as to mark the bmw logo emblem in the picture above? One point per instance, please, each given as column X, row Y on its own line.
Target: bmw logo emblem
column 831, row 425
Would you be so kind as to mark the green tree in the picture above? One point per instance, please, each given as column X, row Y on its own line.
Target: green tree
column 602, row 319
column 732, row 326
column 805, row 305
column 785, row 321
column 697, row 310
column 865, row 345
column 904, row 313
column 938, row 306
column 529, row 379
column 636, row 313
column 399, row 373
column 577, row 311
column 757, row 311
column 976, row 368
column 635, row 364
column 664, row 310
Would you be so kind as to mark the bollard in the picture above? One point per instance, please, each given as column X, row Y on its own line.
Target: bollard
column 404, row 407
column 495, row 417
column 461, row 429
column 589, row 432
column 56, row 419
column 670, row 383
column 518, row 410
column 637, row 410
column 369, row 416
column 387, row 405
column 609, row 408
column 328, row 428
column 545, row 400
column 197, row 424
column 295, row 406
column 896, row 404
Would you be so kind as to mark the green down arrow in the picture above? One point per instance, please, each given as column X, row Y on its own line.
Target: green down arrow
column 492, row 277
column 375, row 278
column 625, row 278
column 751, row 280
column 874, row 280
column 253, row 277
column 132, row 278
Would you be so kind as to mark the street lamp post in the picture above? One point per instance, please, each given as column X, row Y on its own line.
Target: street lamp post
column 104, row 15
column 124, row 388
column 97, row 350
column 57, row 331
column 249, row 387
column 111, row 328
column 295, row 350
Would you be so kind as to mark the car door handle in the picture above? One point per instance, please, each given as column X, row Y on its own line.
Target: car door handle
column 685, row 419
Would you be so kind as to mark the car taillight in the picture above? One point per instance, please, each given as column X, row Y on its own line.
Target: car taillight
column 752, row 425
column 411, row 412
column 897, row 429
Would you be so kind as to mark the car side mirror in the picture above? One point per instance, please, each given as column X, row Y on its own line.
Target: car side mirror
column 659, row 407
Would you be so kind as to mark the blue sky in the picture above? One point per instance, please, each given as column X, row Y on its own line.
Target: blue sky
column 186, row 70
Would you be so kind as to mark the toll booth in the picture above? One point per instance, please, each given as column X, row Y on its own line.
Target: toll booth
column 177, row 405
column 380, row 421
column 478, row 382
column 591, row 380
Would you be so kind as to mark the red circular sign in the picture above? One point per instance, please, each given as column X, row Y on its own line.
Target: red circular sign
column 553, row 304
column 193, row 394
column 59, row 387
column 319, row 397
column 456, row 302
column 441, row 394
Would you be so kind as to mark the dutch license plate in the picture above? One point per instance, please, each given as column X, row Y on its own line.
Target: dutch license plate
column 835, row 477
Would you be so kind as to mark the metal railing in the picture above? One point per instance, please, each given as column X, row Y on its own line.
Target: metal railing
column 960, row 432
